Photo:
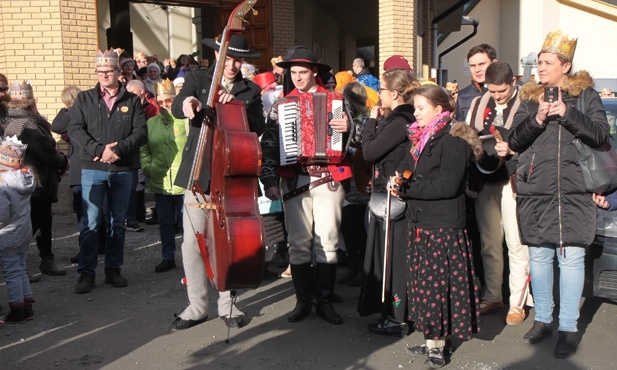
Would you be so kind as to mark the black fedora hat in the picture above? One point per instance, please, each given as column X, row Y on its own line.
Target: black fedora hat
column 237, row 47
column 302, row 55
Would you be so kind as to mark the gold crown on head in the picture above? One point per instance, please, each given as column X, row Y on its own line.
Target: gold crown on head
column 165, row 87
column 559, row 43
column 21, row 90
column 12, row 153
column 109, row 58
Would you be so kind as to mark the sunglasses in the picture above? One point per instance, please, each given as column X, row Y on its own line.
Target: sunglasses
column 4, row 89
column 163, row 102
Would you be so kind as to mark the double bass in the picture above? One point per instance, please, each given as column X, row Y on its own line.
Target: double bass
column 232, row 245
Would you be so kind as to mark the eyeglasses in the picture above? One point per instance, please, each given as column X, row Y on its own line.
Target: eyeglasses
column 383, row 89
column 163, row 102
column 4, row 89
column 105, row 73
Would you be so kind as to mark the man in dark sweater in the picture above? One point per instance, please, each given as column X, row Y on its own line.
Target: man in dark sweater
column 479, row 58
column 108, row 124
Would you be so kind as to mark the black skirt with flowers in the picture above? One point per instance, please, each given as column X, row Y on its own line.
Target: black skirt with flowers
column 442, row 289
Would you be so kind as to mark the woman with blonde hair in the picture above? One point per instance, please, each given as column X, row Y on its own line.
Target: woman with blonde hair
column 384, row 140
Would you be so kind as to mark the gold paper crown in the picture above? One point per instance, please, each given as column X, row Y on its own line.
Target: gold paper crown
column 559, row 43
column 12, row 153
column 21, row 91
column 164, row 88
column 109, row 57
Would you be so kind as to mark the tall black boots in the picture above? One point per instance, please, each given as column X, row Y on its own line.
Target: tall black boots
column 301, row 277
column 324, row 287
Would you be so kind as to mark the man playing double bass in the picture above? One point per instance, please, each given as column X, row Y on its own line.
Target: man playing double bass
column 191, row 103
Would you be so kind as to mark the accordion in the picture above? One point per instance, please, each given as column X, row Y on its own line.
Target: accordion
column 305, row 135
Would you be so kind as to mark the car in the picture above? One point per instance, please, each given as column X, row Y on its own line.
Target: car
column 601, row 257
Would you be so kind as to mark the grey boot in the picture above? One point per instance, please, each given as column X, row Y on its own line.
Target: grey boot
column 48, row 267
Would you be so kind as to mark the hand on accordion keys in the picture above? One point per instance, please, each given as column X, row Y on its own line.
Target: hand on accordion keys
column 340, row 124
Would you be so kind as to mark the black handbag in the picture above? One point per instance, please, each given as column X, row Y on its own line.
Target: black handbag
column 378, row 203
column 598, row 165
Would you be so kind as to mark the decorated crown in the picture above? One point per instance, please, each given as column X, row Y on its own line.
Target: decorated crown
column 109, row 57
column 559, row 43
column 12, row 153
column 164, row 88
column 21, row 90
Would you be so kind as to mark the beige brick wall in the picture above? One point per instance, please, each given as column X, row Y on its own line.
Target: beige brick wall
column 397, row 23
column 283, row 31
column 51, row 43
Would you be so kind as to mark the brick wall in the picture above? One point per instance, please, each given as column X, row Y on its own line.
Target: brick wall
column 397, row 24
column 51, row 43
column 283, row 29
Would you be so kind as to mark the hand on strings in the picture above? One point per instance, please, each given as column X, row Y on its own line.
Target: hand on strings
column 225, row 97
column 190, row 106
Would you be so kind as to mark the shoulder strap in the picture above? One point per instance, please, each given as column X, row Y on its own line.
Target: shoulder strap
column 580, row 103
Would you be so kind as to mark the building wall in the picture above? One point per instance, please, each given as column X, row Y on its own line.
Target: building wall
column 318, row 30
column 518, row 27
column 397, row 24
column 51, row 43
column 283, row 30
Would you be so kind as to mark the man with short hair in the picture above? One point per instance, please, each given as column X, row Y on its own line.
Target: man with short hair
column 362, row 74
column 495, row 204
column 191, row 103
column 151, row 108
column 108, row 124
column 479, row 58
column 313, row 200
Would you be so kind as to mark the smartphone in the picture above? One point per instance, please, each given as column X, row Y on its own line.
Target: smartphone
column 551, row 94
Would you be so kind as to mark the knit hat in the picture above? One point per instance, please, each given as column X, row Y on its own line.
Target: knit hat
column 342, row 79
column 397, row 61
column 178, row 81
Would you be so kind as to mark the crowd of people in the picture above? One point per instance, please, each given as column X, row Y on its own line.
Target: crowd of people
column 459, row 173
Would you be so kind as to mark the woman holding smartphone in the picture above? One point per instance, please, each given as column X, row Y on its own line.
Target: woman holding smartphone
column 557, row 217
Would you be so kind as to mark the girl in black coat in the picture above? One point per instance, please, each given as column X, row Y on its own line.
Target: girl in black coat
column 443, row 297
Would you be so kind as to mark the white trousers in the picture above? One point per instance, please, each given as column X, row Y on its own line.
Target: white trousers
column 313, row 218
column 496, row 217
column 194, row 220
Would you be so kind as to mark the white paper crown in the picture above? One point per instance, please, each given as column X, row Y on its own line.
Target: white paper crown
column 12, row 153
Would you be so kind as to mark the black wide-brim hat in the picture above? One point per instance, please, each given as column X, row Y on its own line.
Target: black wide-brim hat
column 302, row 55
column 237, row 47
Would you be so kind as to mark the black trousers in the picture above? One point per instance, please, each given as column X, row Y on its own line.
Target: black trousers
column 40, row 216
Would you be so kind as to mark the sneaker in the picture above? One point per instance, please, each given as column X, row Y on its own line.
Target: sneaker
column 113, row 278
column 487, row 307
column 388, row 327
column 165, row 266
column 84, row 284
column 515, row 316
column 135, row 227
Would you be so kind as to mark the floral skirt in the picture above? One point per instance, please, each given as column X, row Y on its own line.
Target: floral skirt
column 442, row 288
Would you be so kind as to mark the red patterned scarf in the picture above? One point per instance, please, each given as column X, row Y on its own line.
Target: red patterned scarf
column 419, row 135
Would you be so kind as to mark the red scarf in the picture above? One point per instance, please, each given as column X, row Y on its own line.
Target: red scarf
column 419, row 135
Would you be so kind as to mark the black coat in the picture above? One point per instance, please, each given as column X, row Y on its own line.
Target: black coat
column 60, row 125
column 92, row 126
column 385, row 145
column 34, row 130
column 197, row 84
column 436, row 191
column 552, row 204
column 464, row 99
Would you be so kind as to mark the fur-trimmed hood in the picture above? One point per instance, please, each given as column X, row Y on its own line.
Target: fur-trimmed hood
column 576, row 83
column 467, row 133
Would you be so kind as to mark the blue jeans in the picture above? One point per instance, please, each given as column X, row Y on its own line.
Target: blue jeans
column 17, row 284
column 77, row 208
column 131, row 212
column 571, row 280
column 167, row 207
column 95, row 185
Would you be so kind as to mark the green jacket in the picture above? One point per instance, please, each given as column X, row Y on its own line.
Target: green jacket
column 161, row 156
